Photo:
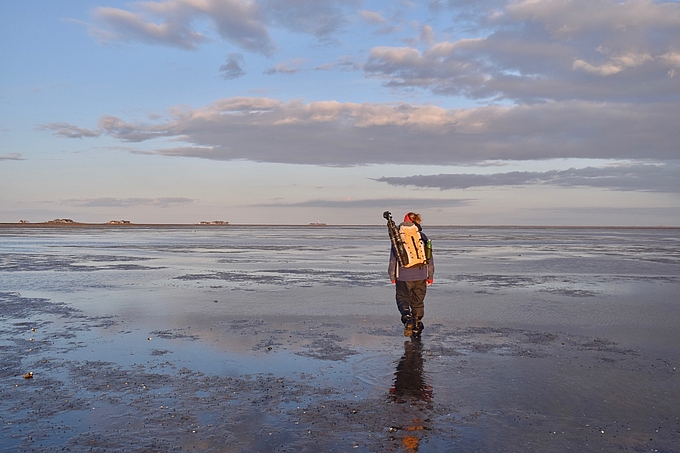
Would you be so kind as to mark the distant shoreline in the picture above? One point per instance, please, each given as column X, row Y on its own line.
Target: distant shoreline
column 42, row 225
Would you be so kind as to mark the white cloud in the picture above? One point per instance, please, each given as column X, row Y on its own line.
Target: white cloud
column 672, row 58
column 614, row 65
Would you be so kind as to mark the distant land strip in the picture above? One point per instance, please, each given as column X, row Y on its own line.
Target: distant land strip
column 29, row 225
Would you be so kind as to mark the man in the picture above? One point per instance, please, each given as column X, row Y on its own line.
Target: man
column 412, row 283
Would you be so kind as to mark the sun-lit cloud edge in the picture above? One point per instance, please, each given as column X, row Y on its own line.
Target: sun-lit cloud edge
column 346, row 134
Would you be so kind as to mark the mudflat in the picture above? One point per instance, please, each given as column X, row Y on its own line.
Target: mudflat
column 285, row 339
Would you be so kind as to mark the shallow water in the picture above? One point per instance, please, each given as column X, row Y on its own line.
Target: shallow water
column 286, row 339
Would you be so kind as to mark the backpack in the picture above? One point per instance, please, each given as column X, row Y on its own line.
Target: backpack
column 413, row 244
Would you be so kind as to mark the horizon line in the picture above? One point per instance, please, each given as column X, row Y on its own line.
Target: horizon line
column 312, row 225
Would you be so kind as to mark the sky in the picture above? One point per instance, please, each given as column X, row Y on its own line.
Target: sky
column 470, row 112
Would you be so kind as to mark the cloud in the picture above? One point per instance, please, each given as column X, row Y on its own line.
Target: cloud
column 11, row 156
column 121, row 25
column 244, row 23
column 372, row 16
column 633, row 177
column 427, row 34
column 127, row 202
column 579, row 17
column 344, row 63
column 335, row 133
column 232, row 68
column 615, row 64
column 532, row 51
column 288, row 67
column 240, row 22
column 627, row 216
column 377, row 203
column 318, row 18
column 69, row 130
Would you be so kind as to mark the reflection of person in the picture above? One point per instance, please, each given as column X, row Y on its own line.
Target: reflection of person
column 410, row 387
column 409, row 380
column 412, row 284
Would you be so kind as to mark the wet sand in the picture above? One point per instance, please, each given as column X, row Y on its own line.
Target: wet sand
column 134, row 353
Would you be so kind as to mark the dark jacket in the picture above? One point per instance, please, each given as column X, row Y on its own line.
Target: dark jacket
column 423, row 272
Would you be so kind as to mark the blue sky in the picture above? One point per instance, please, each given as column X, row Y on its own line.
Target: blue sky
column 486, row 112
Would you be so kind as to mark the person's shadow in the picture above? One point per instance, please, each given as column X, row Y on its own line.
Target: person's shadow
column 410, row 386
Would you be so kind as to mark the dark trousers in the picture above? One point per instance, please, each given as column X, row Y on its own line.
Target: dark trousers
column 410, row 298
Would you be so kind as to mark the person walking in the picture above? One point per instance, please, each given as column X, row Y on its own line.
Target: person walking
column 412, row 282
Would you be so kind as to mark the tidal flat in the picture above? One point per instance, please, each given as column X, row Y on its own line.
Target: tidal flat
column 274, row 339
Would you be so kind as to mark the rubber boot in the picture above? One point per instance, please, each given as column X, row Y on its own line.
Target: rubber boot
column 408, row 325
column 417, row 330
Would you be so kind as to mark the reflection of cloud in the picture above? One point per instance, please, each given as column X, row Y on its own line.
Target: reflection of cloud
column 378, row 203
column 127, row 202
column 641, row 177
column 336, row 133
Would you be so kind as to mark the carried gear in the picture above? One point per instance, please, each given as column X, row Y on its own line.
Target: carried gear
column 413, row 243
column 408, row 245
column 395, row 239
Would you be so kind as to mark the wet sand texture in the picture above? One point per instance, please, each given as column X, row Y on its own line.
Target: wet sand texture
column 159, row 341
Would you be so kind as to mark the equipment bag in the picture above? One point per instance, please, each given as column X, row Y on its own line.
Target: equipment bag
column 395, row 239
column 413, row 244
